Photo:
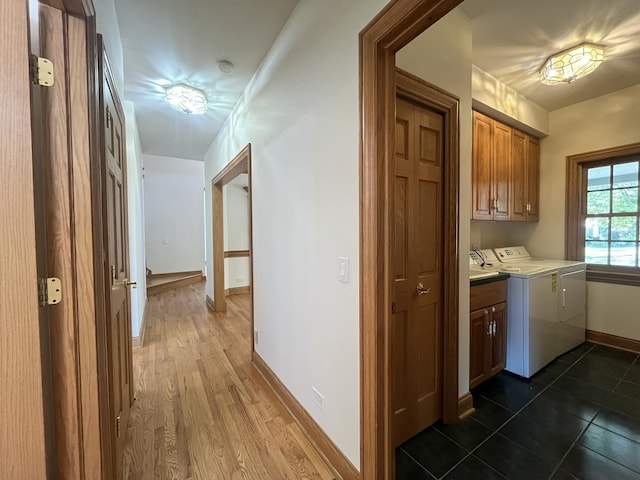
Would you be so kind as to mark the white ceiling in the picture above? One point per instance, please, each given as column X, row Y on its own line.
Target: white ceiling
column 513, row 38
column 167, row 42
column 181, row 41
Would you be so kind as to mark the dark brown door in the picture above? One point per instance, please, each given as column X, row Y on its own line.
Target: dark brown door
column 113, row 149
column 417, row 325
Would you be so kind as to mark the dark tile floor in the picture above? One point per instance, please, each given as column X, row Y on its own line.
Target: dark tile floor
column 578, row 418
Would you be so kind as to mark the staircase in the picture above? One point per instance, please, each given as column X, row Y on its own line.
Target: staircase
column 163, row 282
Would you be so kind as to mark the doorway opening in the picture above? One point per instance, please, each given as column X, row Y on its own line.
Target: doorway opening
column 232, row 266
column 397, row 25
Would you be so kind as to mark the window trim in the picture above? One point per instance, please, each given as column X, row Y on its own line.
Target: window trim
column 574, row 228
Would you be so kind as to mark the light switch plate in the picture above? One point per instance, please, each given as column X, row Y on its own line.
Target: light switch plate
column 343, row 269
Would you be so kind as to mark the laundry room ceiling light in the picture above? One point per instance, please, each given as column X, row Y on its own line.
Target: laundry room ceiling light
column 187, row 99
column 571, row 64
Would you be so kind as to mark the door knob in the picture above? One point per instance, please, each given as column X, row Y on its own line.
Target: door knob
column 420, row 290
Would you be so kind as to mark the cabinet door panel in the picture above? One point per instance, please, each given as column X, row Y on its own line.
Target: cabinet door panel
column 533, row 178
column 478, row 353
column 498, row 340
column 502, row 171
column 482, row 168
column 518, row 176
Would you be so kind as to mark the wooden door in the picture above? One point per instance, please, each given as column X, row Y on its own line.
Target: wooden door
column 502, row 171
column 518, row 176
column 116, row 256
column 482, row 168
column 23, row 424
column 417, row 325
column 533, row 178
column 498, row 339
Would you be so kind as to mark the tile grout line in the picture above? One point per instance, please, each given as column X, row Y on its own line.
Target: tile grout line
column 591, row 423
column 472, row 451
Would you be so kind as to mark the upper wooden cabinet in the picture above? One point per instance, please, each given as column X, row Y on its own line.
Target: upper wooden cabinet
column 505, row 172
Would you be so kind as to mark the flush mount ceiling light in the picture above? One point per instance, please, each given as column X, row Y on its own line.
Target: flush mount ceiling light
column 186, row 99
column 571, row 64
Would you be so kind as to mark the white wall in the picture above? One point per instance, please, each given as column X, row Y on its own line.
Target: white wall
column 442, row 56
column 174, row 212
column 501, row 102
column 300, row 113
column 236, row 234
column 107, row 26
column 135, row 175
column 607, row 121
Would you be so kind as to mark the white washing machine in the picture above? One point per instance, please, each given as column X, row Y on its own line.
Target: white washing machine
column 546, row 308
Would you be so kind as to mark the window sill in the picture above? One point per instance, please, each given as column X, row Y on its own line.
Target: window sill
column 615, row 277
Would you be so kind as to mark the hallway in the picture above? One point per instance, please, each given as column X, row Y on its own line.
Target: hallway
column 201, row 410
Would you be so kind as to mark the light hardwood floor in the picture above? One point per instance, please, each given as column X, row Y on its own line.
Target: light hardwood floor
column 202, row 411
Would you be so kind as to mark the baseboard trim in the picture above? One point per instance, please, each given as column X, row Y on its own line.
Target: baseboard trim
column 138, row 341
column 237, row 290
column 342, row 467
column 210, row 304
column 465, row 406
column 613, row 341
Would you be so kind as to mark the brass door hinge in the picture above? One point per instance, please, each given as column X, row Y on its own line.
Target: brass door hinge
column 41, row 71
column 49, row 291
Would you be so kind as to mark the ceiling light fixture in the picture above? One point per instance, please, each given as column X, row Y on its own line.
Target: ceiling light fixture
column 571, row 64
column 186, row 99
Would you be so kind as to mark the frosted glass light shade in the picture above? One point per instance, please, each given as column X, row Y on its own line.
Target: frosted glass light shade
column 186, row 99
column 571, row 64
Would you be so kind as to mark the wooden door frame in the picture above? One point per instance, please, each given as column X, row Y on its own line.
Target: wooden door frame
column 241, row 163
column 88, row 450
column 395, row 26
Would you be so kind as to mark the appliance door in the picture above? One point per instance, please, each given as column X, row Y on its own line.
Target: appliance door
column 543, row 321
column 572, row 310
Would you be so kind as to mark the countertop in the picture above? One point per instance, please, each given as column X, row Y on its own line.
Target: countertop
column 495, row 278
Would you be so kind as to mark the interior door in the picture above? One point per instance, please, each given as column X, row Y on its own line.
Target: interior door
column 116, row 255
column 417, row 323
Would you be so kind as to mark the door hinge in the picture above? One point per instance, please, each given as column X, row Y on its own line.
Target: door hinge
column 41, row 71
column 49, row 291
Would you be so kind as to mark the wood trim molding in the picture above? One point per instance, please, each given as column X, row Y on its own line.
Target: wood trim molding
column 613, row 341
column 237, row 290
column 465, row 406
column 396, row 25
column 326, row 448
column 241, row 163
column 210, row 304
column 236, row 253
column 574, row 181
column 139, row 340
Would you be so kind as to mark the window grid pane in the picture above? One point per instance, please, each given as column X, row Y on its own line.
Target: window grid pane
column 612, row 220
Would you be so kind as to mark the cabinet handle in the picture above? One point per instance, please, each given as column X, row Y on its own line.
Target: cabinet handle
column 493, row 309
column 528, row 207
column 494, row 328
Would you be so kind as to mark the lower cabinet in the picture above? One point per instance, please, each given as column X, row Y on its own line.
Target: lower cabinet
column 488, row 336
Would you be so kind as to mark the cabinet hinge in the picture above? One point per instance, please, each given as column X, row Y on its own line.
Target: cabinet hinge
column 118, row 426
column 41, row 71
column 393, row 307
column 49, row 291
